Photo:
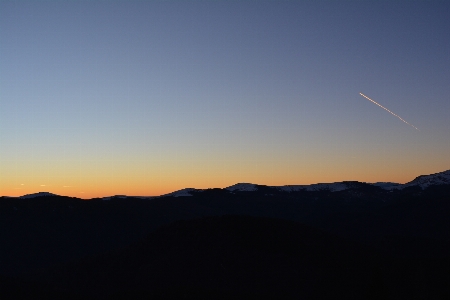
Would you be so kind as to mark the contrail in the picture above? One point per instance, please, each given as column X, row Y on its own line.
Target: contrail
column 387, row 110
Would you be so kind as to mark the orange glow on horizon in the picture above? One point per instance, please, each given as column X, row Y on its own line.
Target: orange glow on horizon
column 87, row 190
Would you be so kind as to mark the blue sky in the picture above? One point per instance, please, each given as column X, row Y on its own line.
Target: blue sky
column 144, row 97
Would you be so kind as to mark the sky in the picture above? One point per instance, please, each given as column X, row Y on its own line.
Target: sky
column 100, row 98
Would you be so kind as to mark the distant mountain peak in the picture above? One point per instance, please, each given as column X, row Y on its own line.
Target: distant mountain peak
column 425, row 181
column 181, row 193
column 242, row 187
column 38, row 194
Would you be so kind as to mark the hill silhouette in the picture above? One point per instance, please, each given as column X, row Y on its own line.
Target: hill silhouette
column 232, row 256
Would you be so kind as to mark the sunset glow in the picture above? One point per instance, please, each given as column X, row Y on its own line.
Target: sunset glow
column 147, row 97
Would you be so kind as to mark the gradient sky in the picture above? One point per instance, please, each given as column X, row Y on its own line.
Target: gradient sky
column 146, row 97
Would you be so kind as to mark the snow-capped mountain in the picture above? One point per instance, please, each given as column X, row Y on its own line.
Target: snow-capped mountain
column 425, row 181
column 181, row 193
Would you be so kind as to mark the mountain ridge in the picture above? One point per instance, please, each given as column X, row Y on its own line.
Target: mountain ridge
column 422, row 181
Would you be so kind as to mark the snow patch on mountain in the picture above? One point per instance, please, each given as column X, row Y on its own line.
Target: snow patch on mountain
column 425, row 181
column 181, row 193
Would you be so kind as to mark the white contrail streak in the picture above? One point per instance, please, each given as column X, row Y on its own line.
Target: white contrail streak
column 387, row 110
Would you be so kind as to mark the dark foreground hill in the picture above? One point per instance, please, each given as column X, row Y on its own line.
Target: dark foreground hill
column 231, row 257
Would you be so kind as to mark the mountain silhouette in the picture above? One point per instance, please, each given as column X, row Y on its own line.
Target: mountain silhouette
column 393, row 236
